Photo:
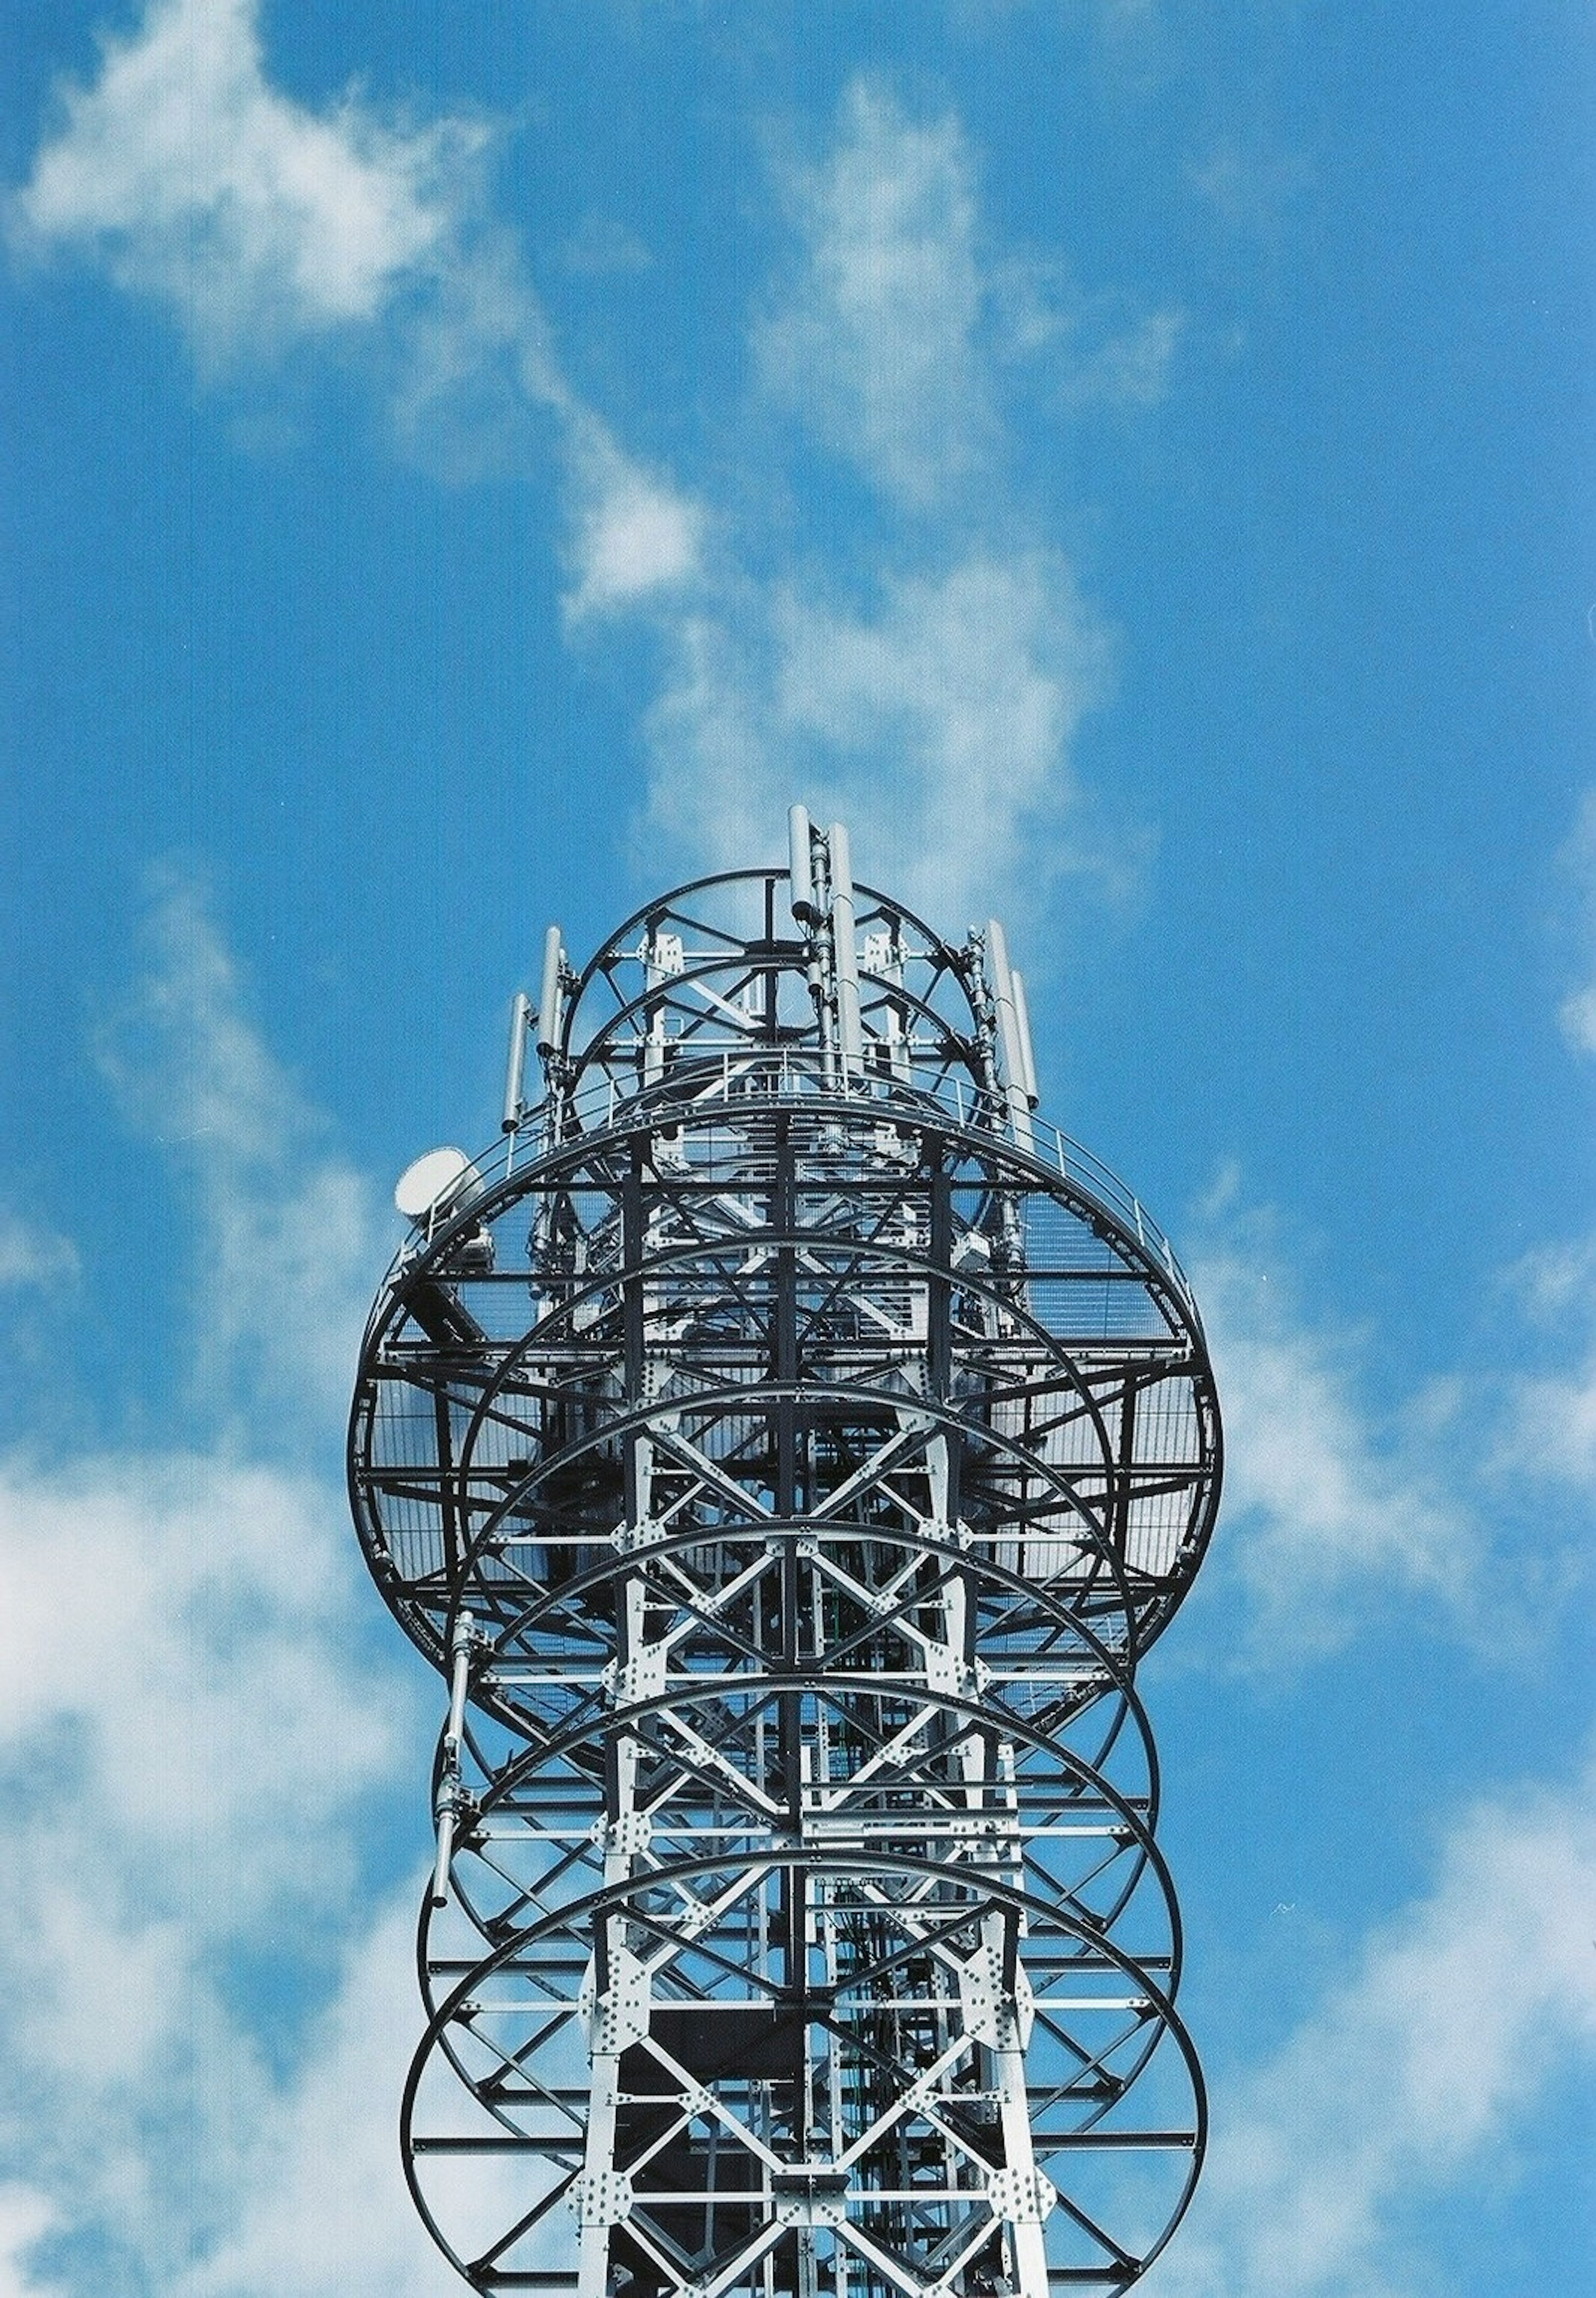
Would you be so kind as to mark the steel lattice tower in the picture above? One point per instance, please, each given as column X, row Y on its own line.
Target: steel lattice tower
column 786, row 1446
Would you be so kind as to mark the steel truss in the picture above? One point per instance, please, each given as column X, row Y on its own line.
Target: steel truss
column 787, row 1451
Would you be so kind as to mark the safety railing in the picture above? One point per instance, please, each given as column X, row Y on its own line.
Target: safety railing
column 732, row 1080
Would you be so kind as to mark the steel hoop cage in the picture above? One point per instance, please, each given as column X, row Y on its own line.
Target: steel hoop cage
column 1117, row 1686
column 612, row 1898
column 602, row 1048
column 948, row 958
column 1032, row 1173
column 489, row 1534
column 393, row 1301
column 1139, row 1827
column 1118, row 1669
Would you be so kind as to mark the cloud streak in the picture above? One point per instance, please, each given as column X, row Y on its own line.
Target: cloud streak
column 1326, row 1515
column 263, row 224
column 1461, row 2013
column 933, row 692
column 34, row 1259
column 1464, row 1502
column 1577, row 1013
column 1549, row 1431
column 192, row 179
column 323, row 2206
column 875, row 343
column 188, row 1737
column 195, row 1739
column 943, row 676
column 287, row 1234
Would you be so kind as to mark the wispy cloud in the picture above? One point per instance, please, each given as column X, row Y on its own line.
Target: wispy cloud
column 899, row 327
column 286, row 1232
column 1549, row 1431
column 1251, row 180
column 1462, row 2010
column 940, row 725
column 187, row 1738
column 24, row 2216
column 261, row 224
column 972, row 681
column 1578, row 1017
column 194, row 1736
column 875, row 341
column 34, row 1256
column 324, row 2207
column 1099, row 350
column 635, row 537
column 930, row 686
column 1329, row 1510
column 1464, row 1501
column 254, row 218
column 937, row 673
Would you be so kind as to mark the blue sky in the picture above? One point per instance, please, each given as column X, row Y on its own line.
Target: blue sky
column 475, row 466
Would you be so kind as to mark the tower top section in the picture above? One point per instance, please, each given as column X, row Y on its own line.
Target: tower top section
column 758, row 1057
column 792, row 979
column 787, row 1445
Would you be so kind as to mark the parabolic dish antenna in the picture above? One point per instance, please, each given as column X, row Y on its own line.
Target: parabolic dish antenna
column 423, row 1186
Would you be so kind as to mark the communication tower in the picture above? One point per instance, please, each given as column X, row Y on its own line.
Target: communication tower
column 786, row 1445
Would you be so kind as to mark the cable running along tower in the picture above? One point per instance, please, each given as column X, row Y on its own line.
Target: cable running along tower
column 786, row 1445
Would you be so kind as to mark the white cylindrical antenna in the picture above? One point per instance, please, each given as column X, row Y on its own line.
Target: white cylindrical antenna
column 439, row 1882
column 464, row 1643
column 1001, row 977
column 1028, row 1056
column 800, row 865
column 515, row 1106
column 549, row 998
column 1010, row 1059
column 850, row 1027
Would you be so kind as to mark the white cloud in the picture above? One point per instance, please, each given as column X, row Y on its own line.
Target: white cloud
column 602, row 244
column 258, row 222
column 1577, row 1014
column 635, row 536
column 1463, row 2010
column 1128, row 369
column 877, row 345
column 34, row 1256
column 1330, row 1515
column 932, row 698
column 288, row 1236
column 1548, row 1431
column 1251, row 180
column 893, row 336
column 939, row 727
column 194, row 1738
column 253, row 217
column 949, row 716
column 24, row 2216
column 187, row 1738
column 1553, row 1430
column 1463, row 1501
column 327, row 2208
column 1101, row 350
